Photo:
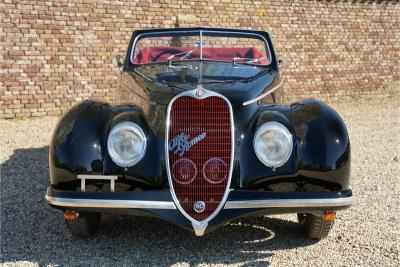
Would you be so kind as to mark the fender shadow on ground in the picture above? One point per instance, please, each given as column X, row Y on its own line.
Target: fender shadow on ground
column 32, row 231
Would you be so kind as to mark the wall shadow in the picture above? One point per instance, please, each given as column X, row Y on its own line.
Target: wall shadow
column 32, row 231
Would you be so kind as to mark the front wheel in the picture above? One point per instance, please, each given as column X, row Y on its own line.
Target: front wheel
column 83, row 224
column 315, row 227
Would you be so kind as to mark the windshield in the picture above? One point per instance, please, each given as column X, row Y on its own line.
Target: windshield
column 235, row 47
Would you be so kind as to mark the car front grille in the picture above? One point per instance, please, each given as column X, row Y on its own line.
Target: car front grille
column 199, row 153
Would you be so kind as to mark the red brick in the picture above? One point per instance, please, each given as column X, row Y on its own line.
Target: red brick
column 56, row 54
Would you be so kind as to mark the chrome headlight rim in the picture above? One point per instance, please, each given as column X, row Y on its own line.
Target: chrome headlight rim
column 136, row 129
column 285, row 132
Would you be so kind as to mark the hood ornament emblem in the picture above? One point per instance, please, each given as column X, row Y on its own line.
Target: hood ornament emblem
column 180, row 143
column 199, row 92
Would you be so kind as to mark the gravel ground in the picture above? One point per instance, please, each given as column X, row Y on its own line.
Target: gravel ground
column 366, row 234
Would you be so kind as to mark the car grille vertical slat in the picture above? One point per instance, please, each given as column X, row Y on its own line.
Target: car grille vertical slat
column 193, row 117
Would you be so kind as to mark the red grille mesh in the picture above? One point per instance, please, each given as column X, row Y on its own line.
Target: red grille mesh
column 193, row 117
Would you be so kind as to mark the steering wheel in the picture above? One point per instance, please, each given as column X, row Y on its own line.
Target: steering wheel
column 169, row 51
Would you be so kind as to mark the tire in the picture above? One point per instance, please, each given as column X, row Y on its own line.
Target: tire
column 314, row 227
column 85, row 225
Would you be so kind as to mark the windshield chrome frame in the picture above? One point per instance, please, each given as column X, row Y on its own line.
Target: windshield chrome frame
column 259, row 36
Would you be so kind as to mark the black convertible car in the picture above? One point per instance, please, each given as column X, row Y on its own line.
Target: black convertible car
column 196, row 137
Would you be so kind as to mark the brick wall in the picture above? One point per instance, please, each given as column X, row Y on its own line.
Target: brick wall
column 54, row 54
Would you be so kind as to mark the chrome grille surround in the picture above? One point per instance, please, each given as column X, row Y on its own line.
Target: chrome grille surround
column 199, row 93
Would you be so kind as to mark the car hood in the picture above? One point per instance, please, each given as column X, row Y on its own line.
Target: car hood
column 237, row 82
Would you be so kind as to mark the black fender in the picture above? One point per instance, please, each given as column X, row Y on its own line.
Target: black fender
column 79, row 146
column 323, row 144
column 321, row 152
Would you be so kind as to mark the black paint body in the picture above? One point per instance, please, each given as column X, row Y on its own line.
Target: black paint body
column 320, row 160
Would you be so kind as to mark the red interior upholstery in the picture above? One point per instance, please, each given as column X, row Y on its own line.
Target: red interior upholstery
column 161, row 53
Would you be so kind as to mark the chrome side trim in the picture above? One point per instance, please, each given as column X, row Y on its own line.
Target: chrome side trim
column 273, row 89
column 290, row 203
column 110, row 203
column 199, row 226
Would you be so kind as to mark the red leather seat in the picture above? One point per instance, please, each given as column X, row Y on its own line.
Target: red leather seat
column 162, row 53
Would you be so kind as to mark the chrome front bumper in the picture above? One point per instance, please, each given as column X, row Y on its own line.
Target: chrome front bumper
column 169, row 205
column 290, row 203
column 110, row 203
column 160, row 203
column 230, row 204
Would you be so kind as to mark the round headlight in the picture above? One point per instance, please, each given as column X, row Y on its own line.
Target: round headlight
column 126, row 144
column 273, row 144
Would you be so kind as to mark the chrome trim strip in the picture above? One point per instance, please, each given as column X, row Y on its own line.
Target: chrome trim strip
column 199, row 226
column 290, row 203
column 110, row 203
column 273, row 89
column 200, row 34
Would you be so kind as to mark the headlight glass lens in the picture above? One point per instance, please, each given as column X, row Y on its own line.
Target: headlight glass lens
column 126, row 144
column 273, row 144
